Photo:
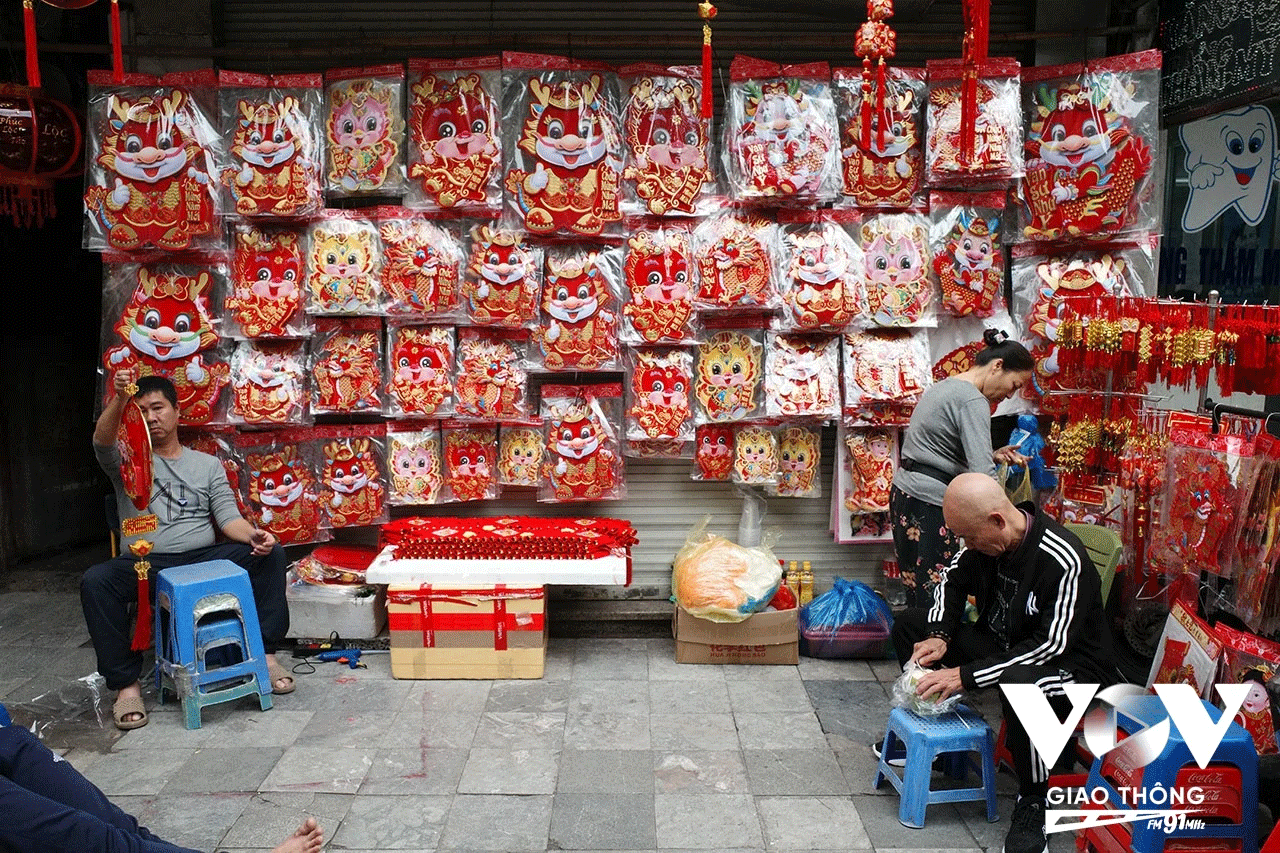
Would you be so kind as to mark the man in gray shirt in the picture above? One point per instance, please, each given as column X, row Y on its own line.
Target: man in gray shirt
column 189, row 496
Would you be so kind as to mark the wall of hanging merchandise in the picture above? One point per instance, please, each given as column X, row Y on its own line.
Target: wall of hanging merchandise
column 837, row 247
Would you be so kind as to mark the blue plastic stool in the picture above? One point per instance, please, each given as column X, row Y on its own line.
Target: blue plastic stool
column 188, row 598
column 925, row 738
column 1236, row 749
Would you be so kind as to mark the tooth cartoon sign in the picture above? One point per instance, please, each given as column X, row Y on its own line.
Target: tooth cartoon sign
column 1231, row 162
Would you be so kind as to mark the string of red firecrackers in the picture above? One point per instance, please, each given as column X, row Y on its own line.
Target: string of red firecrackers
column 877, row 41
column 508, row 537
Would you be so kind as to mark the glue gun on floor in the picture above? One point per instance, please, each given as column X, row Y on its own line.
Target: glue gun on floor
column 351, row 657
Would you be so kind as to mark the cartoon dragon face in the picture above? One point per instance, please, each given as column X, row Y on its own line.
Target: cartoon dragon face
column 755, row 454
column 798, row 457
column 575, row 432
column 167, row 317
column 713, row 453
column 728, row 367
column 467, row 458
column 421, row 356
column 660, row 392
column 521, row 455
column 277, row 479
column 349, row 465
column 657, row 266
column 269, row 264
column 575, row 290
column 899, row 121
column 974, row 247
column 455, row 120
column 738, row 246
column 343, row 253
column 360, row 115
column 500, row 257
column 776, row 114
column 567, row 125
column 264, row 135
column 1076, row 132
column 817, row 261
column 662, row 124
column 415, row 469
column 894, row 257
column 149, row 139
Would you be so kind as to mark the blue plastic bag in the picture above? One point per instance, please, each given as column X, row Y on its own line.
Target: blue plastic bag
column 849, row 620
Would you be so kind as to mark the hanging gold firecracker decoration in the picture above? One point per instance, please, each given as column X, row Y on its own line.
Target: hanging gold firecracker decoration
column 877, row 41
column 977, row 23
column 142, row 629
column 39, row 140
column 706, row 12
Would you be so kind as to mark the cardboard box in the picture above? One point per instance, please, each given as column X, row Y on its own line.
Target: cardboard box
column 770, row 637
column 483, row 631
column 355, row 612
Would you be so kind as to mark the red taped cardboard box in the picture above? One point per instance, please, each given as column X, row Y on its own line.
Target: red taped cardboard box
column 483, row 631
column 768, row 637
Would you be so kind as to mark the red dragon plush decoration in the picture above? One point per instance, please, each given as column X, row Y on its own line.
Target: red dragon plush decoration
column 167, row 330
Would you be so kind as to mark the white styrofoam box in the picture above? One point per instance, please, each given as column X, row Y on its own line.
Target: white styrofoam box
column 385, row 568
column 318, row 611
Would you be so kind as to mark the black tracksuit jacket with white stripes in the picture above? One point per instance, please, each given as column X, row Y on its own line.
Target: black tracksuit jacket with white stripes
column 1056, row 618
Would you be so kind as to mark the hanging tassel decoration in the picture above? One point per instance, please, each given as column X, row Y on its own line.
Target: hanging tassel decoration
column 117, row 59
column 977, row 19
column 142, row 629
column 706, row 12
column 29, row 34
column 875, row 40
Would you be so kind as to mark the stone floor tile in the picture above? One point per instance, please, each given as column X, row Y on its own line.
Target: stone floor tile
column 608, row 731
column 609, row 660
column 780, row 730
column 943, row 826
column 886, row 671
column 431, row 730
column 609, row 697
column 844, row 670
column 794, row 771
column 663, row 667
column 688, row 697
column 764, row 672
column 277, row 727
column 510, row 771
column 602, row 822
column 859, row 765
column 511, row 729
column 558, row 665
column 346, row 729
column 694, row 731
column 511, row 824
column 811, row 823
column 197, row 821
column 699, row 772
column 319, row 769
column 767, row 695
column 707, row 821
column 392, row 823
column 267, row 819
column 167, row 729
column 605, row 771
column 452, row 696
column 528, row 696
column 353, row 690
column 214, row 770
column 414, row 771
column 137, row 772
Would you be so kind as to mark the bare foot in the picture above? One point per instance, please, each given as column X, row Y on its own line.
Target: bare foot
column 308, row 838
column 281, row 680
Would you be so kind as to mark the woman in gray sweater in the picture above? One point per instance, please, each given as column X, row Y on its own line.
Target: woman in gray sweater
column 949, row 434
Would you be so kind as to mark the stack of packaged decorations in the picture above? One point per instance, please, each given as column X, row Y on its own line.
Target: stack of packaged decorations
column 559, row 217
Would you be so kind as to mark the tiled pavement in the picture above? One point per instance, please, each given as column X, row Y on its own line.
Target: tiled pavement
column 617, row 747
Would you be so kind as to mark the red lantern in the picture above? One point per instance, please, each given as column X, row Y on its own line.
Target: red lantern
column 39, row 141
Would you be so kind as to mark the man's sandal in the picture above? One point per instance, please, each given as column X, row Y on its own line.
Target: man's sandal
column 277, row 673
column 126, row 705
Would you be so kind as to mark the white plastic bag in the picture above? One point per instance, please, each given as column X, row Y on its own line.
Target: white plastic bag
column 721, row 581
column 904, row 694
